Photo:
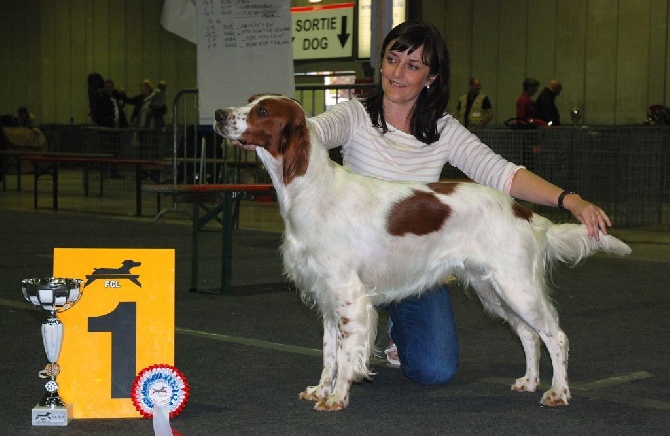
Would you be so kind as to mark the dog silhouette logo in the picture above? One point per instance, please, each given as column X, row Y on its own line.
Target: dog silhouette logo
column 42, row 417
column 116, row 273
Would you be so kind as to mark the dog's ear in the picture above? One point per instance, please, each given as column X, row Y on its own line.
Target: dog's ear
column 295, row 148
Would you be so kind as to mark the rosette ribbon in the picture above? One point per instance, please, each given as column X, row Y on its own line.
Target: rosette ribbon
column 160, row 392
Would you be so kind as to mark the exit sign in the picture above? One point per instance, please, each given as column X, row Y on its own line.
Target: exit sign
column 323, row 32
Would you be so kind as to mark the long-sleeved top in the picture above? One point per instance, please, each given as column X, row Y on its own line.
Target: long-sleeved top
column 396, row 155
column 525, row 106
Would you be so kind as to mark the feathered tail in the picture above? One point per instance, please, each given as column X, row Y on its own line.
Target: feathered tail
column 570, row 243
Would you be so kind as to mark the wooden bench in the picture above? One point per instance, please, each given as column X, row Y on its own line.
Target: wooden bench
column 49, row 165
column 216, row 200
column 24, row 156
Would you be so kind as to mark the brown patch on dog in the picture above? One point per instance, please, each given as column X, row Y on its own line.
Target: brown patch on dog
column 445, row 188
column 418, row 214
column 522, row 212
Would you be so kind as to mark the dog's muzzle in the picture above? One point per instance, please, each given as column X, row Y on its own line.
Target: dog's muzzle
column 223, row 118
column 221, row 115
column 226, row 125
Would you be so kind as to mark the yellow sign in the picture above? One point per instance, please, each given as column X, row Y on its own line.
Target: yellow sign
column 123, row 323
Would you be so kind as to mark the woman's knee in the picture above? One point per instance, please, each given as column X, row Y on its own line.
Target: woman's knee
column 431, row 373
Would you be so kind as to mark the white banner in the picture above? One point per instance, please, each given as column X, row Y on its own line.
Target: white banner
column 179, row 18
column 244, row 48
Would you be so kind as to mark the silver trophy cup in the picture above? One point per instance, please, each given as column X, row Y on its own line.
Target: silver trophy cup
column 53, row 295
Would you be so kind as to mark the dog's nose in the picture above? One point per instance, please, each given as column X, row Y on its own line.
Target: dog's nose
column 220, row 115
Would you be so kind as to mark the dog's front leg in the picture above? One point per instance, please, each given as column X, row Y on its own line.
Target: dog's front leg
column 325, row 386
column 356, row 324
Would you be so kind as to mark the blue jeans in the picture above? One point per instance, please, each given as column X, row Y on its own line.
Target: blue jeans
column 425, row 333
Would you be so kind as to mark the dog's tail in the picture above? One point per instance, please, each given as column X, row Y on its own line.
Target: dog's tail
column 570, row 243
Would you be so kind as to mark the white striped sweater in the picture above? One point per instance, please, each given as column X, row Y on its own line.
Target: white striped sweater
column 399, row 156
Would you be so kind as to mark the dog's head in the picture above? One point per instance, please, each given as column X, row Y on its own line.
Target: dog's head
column 273, row 122
column 129, row 263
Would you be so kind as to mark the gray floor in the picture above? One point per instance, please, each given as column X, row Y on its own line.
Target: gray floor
column 247, row 355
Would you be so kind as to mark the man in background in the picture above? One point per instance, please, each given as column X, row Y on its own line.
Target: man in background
column 545, row 105
column 474, row 109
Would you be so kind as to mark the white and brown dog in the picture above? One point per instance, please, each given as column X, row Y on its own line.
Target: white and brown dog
column 353, row 242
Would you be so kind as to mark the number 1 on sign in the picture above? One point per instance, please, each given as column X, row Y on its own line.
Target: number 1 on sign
column 121, row 324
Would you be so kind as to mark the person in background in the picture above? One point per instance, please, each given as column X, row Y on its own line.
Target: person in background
column 402, row 132
column 157, row 104
column 96, row 99
column 474, row 109
column 545, row 105
column 24, row 118
column 139, row 116
column 111, row 110
column 525, row 106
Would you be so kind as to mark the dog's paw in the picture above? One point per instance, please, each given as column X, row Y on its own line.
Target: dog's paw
column 308, row 396
column 312, row 393
column 556, row 397
column 525, row 384
column 329, row 405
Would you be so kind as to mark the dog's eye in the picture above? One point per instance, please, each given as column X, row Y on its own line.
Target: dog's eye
column 261, row 112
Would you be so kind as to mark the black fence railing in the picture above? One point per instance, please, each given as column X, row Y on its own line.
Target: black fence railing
column 625, row 169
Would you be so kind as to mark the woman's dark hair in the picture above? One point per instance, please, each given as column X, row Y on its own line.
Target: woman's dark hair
column 432, row 102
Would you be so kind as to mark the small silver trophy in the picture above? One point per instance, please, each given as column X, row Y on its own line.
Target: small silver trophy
column 53, row 295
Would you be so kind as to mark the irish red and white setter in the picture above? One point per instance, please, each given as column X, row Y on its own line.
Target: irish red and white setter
column 353, row 242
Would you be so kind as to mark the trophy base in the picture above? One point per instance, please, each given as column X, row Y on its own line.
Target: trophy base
column 53, row 416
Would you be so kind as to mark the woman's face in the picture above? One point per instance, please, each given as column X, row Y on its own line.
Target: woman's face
column 404, row 75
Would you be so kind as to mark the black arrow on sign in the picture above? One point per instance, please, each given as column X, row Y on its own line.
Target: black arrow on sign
column 344, row 36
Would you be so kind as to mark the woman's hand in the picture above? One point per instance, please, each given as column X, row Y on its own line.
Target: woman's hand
column 588, row 214
column 531, row 187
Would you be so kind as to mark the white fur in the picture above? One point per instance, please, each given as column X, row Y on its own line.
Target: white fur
column 338, row 251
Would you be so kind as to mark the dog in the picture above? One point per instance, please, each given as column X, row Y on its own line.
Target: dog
column 123, row 272
column 353, row 242
column 125, row 268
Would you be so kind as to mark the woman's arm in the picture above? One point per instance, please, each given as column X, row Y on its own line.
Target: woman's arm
column 484, row 166
column 531, row 187
column 335, row 127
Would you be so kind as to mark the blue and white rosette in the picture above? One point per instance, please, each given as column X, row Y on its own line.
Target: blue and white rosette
column 160, row 392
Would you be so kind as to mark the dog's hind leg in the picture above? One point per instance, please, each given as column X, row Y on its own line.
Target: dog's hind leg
column 325, row 386
column 529, row 338
column 530, row 341
column 528, row 300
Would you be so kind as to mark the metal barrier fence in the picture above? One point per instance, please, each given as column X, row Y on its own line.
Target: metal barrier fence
column 199, row 155
column 625, row 169
column 126, row 143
